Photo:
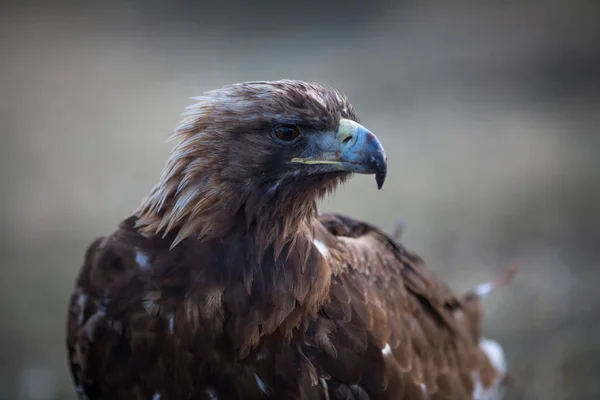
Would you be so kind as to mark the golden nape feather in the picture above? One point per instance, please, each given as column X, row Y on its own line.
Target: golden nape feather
column 226, row 283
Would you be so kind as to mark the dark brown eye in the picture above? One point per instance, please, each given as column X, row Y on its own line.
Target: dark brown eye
column 286, row 134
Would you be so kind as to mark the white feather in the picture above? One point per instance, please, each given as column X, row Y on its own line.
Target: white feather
column 483, row 289
column 494, row 352
column 81, row 300
column 212, row 393
column 171, row 322
column 325, row 388
column 387, row 350
column 260, row 384
column 141, row 259
column 322, row 248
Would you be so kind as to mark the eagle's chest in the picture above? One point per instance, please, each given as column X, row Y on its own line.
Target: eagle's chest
column 224, row 292
column 222, row 319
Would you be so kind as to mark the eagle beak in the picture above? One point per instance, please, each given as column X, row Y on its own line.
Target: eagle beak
column 355, row 149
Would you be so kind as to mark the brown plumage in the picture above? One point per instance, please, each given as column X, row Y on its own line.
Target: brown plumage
column 227, row 284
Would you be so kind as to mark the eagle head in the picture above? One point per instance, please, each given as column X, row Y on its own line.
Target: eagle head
column 259, row 154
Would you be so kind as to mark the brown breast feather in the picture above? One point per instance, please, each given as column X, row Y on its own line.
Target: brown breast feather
column 343, row 313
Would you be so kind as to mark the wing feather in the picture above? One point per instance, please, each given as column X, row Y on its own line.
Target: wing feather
column 407, row 314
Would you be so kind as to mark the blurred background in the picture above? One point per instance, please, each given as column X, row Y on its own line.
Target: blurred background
column 489, row 112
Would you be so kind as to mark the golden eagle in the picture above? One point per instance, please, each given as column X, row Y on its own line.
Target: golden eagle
column 226, row 283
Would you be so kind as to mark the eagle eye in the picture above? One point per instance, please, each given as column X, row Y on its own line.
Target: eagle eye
column 286, row 134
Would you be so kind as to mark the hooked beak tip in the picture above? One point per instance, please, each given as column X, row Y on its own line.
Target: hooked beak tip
column 380, row 174
column 364, row 154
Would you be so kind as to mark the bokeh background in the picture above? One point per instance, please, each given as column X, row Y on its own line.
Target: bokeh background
column 489, row 112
